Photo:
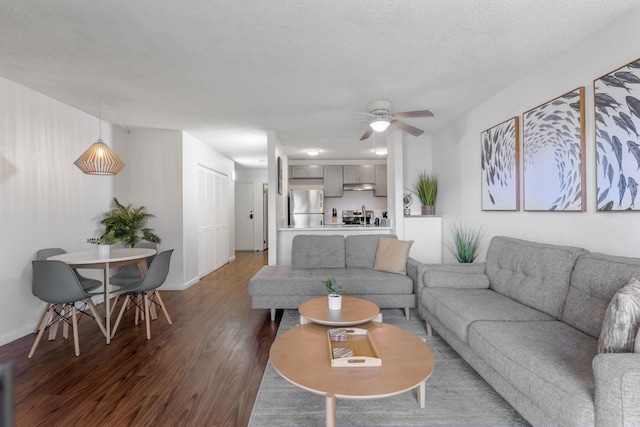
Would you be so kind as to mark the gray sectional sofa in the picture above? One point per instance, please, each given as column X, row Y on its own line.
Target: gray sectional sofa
column 528, row 321
column 350, row 260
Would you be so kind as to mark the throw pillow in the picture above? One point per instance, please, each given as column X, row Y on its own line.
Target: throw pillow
column 392, row 255
column 621, row 320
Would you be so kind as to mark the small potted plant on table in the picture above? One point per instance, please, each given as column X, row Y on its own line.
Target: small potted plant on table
column 335, row 299
column 104, row 242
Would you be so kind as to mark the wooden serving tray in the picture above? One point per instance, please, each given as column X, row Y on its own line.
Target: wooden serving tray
column 360, row 343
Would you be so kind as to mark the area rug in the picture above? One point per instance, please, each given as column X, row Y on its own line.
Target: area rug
column 456, row 394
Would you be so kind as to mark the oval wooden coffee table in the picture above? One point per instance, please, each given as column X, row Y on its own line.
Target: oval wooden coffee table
column 301, row 356
column 355, row 311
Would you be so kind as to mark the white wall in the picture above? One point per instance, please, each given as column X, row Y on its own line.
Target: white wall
column 456, row 151
column 154, row 180
column 417, row 157
column 45, row 201
column 257, row 177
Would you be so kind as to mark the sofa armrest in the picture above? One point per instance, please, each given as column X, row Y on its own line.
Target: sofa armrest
column 617, row 381
column 412, row 269
column 470, row 276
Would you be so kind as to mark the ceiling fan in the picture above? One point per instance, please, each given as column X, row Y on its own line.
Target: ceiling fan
column 382, row 118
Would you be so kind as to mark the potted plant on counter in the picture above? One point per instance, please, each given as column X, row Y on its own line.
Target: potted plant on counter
column 104, row 242
column 335, row 299
column 426, row 188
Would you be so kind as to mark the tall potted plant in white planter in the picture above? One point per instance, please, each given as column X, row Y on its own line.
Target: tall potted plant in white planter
column 426, row 188
column 334, row 297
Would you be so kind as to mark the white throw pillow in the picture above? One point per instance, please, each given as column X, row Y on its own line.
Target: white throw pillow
column 621, row 321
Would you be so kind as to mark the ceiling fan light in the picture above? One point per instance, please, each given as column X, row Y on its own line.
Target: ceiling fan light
column 379, row 125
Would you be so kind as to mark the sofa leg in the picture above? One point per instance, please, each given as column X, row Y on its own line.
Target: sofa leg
column 273, row 314
column 407, row 312
column 429, row 331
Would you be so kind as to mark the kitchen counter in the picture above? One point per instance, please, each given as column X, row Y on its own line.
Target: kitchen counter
column 334, row 227
column 286, row 235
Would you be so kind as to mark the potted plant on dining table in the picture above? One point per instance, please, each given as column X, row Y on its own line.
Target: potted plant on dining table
column 104, row 242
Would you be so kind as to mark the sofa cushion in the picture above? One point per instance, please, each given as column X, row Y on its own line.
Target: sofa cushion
column 549, row 362
column 458, row 308
column 534, row 274
column 392, row 255
column 594, row 281
column 284, row 280
column 621, row 320
column 309, row 251
column 361, row 249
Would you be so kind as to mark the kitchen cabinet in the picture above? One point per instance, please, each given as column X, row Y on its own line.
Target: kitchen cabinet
column 305, row 171
column 358, row 174
column 333, row 181
column 380, row 181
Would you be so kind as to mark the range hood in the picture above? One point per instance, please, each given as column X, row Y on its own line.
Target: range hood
column 359, row 187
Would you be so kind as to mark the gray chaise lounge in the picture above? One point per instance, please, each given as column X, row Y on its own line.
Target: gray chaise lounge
column 528, row 321
column 350, row 260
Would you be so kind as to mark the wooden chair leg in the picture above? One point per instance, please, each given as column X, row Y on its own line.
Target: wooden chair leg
column 41, row 324
column 164, row 309
column 40, row 332
column 125, row 304
column 76, row 340
column 53, row 329
column 147, row 317
column 65, row 324
column 113, row 304
column 139, row 311
column 94, row 312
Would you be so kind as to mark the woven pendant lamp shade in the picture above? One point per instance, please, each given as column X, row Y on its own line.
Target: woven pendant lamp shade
column 99, row 160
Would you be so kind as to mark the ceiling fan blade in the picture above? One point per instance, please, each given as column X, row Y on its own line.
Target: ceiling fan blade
column 366, row 134
column 421, row 113
column 407, row 128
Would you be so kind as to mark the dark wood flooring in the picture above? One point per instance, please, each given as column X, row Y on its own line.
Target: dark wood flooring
column 204, row 370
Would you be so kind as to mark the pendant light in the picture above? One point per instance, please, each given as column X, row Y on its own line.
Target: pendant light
column 99, row 159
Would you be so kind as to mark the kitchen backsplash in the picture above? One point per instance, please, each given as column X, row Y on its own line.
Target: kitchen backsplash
column 353, row 200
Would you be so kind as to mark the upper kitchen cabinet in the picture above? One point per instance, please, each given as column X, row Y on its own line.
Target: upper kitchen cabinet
column 333, row 184
column 305, row 171
column 358, row 174
column 381, row 181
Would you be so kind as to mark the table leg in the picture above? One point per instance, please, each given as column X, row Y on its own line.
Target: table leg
column 331, row 410
column 107, row 303
column 422, row 394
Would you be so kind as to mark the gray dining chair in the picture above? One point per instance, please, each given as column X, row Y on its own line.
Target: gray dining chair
column 87, row 283
column 148, row 289
column 55, row 283
column 129, row 273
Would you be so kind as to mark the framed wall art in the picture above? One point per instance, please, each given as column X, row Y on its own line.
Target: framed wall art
column 500, row 167
column 617, row 124
column 554, row 155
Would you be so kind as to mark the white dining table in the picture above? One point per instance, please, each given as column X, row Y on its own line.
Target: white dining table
column 117, row 257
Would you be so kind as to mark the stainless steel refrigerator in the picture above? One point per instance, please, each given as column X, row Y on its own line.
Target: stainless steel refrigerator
column 306, row 208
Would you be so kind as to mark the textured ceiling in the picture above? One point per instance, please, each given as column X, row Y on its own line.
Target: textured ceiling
column 227, row 71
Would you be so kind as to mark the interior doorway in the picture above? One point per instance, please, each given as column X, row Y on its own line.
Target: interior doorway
column 265, row 216
column 244, row 214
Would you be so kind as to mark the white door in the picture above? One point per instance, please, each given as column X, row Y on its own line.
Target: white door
column 213, row 221
column 244, row 214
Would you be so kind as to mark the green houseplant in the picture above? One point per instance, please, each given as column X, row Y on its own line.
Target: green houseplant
column 466, row 242
column 426, row 188
column 129, row 223
column 104, row 242
column 334, row 297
